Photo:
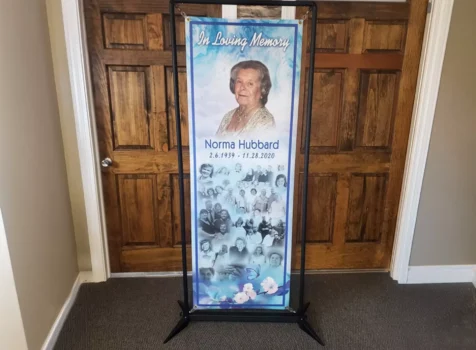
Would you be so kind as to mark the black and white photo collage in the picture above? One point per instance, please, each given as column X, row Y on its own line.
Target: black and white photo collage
column 241, row 213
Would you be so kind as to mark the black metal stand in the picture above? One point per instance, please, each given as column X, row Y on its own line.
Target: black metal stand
column 187, row 315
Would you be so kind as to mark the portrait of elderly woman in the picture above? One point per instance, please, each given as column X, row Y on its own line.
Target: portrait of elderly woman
column 250, row 82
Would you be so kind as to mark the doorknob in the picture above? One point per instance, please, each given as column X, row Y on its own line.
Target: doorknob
column 106, row 162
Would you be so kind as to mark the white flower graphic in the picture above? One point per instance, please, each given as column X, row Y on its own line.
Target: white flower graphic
column 269, row 285
column 251, row 294
column 241, row 298
column 247, row 287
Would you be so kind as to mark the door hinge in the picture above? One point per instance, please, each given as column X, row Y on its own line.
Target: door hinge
column 428, row 9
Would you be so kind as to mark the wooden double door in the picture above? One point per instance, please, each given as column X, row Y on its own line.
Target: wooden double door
column 366, row 67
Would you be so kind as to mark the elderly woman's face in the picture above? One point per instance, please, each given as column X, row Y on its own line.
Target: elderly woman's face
column 248, row 87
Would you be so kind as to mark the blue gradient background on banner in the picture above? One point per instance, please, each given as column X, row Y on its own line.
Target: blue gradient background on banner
column 209, row 99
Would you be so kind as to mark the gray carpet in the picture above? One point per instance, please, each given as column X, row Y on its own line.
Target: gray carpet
column 351, row 311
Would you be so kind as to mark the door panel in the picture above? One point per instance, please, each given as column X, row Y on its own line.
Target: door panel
column 128, row 90
column 376, row 109
column 326, row 108
column 321, row 202
column 365, row 208
column 138, row 207
column 366, row 65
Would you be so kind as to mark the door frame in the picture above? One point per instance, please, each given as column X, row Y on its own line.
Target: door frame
column 431, row 63
column 426, row 97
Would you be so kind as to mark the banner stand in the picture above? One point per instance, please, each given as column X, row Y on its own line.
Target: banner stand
column 290, row 316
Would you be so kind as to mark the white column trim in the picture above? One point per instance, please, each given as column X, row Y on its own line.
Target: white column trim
column 431, row 64
column 86, row 134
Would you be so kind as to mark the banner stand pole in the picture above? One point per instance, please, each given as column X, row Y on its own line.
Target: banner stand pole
column 252, row 315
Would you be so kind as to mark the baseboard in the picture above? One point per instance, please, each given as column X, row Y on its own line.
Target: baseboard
column 85, row 276
column 148, row 274
column 179, row 273
column 442, row 274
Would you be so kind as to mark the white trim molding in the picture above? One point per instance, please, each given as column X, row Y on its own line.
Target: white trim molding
column 55, row 330
column 431, row 64
column 442, row 274
column 86, row 134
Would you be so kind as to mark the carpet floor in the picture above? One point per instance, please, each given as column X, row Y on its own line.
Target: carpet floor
column 349, row 311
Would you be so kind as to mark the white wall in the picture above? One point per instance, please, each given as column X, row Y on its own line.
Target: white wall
column 33, row 186
column 12, row 335
column 445, row 232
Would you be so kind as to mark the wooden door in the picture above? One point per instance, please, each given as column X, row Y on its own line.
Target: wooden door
column 131, row 65
column 366, row 68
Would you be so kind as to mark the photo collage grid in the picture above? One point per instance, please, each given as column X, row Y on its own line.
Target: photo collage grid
column 241, row 215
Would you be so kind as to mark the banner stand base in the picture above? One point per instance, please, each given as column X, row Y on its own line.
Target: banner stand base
column 181, row 324
column 299, row 317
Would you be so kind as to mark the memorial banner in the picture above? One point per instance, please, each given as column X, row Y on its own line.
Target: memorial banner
column 243, row 93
